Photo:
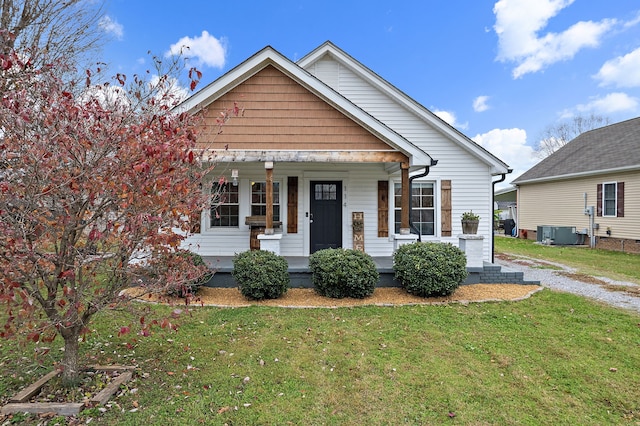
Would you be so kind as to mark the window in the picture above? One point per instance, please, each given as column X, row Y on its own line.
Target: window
column 422, row 207
column 609, row 192
column 326, row 191
column 225, row 205
column 259, row 199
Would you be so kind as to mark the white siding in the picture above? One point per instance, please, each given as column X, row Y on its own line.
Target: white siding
column 470, row 177
column 561, row 203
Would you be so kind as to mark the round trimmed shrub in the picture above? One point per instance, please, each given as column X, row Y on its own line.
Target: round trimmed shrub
column 261, row 274
column 191, row 287
column 430, row 269
column 340, row 273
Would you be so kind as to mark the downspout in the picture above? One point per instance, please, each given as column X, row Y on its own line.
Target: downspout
column 411, row 178
column 493, row 202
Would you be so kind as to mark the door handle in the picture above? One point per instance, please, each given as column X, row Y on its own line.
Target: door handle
column 310, row 217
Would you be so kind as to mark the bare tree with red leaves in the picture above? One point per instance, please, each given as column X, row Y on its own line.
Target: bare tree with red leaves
column 92, row 178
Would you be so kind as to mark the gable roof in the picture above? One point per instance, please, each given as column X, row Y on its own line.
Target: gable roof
column 269, row 56
column 612, row 148
column 328, row 48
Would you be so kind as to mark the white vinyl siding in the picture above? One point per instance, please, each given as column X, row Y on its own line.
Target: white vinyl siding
column 471, row 180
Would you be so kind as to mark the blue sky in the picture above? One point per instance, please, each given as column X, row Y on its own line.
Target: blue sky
column 499, row 71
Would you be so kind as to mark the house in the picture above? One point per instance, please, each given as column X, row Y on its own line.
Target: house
column 591, row 184
column 505, row 206
column 324, row 155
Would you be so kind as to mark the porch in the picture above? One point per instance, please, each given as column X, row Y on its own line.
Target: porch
column 301, row 276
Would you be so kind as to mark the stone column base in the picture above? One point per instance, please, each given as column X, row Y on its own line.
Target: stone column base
column 402, row 239
column 471, row 245
column 270, row 242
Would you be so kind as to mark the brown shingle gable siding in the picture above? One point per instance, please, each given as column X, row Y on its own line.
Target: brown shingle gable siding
column 280, row 114
column 610, row 147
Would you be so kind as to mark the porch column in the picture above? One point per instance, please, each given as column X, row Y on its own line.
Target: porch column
column 268, row 165
column 405, row 200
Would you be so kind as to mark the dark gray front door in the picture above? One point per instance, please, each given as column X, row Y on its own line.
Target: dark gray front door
column 326, row 215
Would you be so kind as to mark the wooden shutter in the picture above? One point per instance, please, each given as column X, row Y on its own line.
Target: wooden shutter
column 445, row 209
column 620, row 200
column 383, row 208
column 292, row 204
column 599, row 200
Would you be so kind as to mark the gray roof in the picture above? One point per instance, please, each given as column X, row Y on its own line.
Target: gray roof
column 609, row 148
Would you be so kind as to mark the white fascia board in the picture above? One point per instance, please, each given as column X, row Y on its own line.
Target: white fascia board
column 269, row 56
column 497, row 166
column 577, row 175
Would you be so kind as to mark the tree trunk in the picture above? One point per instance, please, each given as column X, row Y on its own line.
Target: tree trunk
column 70, row 368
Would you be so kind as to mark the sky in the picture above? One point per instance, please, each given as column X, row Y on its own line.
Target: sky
column 498, row 71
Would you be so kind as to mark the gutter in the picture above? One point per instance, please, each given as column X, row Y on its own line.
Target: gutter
column 493, row 201
column 411, row 179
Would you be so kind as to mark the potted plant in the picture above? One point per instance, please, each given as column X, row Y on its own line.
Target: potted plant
column 470, row 222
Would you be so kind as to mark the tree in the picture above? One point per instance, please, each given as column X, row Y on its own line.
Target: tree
column 48, row 30
column 92, row 179
column 555, row 136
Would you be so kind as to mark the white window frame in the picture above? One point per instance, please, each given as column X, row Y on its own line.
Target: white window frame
column 276, row 202
column 436, row 202
column 211, row 225
column 605, row 199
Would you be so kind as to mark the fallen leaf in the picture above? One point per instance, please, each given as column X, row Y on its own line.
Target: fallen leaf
column 224, row 410
column 613, row 369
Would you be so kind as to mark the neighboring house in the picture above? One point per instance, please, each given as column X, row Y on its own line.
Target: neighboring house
column 506, row 207
column 593, row 184
column 342, row 147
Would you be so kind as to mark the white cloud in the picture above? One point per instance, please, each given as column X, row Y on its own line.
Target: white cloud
column 518, row 23
column 480, row 103
column 509, row 145
column 169, row 91
column 206, row 49
column 623, row 71
column 450, row 118
column 612, row 103
column 111, row 26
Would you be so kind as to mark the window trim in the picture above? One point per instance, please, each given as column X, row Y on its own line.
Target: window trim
column 211, row 209
column 435, row 208
column 615, row 199
column 278, row 217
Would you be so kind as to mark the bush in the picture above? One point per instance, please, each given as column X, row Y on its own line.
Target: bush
column 190, row 287
column 342, row 273
column 261, row 274
column 430, row 269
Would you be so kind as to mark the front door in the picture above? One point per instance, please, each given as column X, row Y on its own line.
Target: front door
column 326, row 215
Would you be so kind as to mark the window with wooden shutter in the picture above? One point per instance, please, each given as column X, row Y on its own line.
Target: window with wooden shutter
column 610, row 199
column 383, row 208
column 445, row 210
column 292, row 204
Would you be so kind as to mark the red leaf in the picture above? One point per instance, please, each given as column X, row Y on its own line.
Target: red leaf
column 123, row 331
column 69, row 273
column 193, row 84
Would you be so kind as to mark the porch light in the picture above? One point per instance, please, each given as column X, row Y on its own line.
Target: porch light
column 234, row 175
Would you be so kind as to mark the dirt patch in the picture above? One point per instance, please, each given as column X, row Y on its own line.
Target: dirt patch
column 383, row 296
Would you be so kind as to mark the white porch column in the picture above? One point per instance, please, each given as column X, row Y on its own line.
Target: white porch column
column 471, row 245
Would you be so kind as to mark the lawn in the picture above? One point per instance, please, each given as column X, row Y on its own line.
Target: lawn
column 612, row 264
column 552, row 359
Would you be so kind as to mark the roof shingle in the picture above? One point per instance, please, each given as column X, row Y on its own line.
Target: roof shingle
column 610, row 147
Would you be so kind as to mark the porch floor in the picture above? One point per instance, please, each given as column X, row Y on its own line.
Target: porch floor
column 301, row 276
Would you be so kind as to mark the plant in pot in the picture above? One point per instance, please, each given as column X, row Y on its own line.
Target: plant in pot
column 470, row 222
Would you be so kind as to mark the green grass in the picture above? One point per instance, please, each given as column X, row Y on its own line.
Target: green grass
column 544, row 360
column 606, row 263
